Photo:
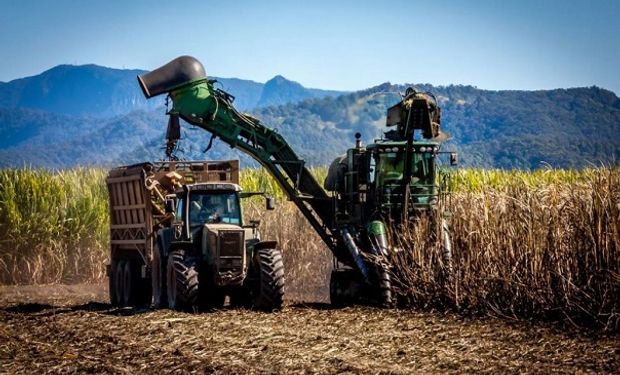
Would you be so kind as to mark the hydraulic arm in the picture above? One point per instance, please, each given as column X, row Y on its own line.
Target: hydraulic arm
column 196, row 101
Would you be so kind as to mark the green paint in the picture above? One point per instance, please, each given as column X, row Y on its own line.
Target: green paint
column 376, row 227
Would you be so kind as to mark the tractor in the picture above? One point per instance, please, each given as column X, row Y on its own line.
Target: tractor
column 178, row 239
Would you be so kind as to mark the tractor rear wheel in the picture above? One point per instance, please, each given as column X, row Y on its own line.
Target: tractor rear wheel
column 267, row 291
column 158, row 279
column 182, row 281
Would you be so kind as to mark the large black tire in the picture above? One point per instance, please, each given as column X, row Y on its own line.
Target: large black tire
column 182, row 282
column 112, row 283
column 143, row 293
column 384, row 298
column 343, row 286
column 347, row 287
column 129, row 284
column 267, row 291
column 131, row 289
column 118, row 282
column 158, row 279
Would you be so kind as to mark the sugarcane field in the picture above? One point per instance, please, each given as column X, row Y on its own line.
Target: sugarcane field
column 168, row 219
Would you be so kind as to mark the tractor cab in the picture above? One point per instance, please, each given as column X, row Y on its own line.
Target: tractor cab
column 212, row 204
column 197, row 205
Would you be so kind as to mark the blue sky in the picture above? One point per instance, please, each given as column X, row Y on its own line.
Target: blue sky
column 344, row 45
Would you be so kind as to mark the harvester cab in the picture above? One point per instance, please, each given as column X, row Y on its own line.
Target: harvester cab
column 396, row 176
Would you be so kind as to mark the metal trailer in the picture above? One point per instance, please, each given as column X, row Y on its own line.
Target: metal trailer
column 137, row 196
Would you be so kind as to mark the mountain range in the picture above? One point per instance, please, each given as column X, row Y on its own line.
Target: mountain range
column 93, row 115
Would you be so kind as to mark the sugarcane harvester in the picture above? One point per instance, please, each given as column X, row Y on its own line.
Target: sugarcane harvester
column 372, row 187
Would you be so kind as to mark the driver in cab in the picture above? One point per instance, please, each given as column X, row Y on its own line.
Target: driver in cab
column 206, row 210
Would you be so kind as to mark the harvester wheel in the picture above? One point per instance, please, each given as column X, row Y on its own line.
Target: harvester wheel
column 158, row 279
column 129, row 284
column 346, row 287
column 385, row 285
column 267, row 292
column 343, row 287
column 118, row 282
column 182, row 281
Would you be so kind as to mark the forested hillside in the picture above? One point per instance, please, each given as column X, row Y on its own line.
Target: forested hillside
column 503, row 129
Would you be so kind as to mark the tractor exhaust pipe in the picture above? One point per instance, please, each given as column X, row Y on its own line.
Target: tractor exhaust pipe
column 178, row 72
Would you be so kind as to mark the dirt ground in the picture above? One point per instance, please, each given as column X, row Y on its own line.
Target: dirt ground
column 64, row 329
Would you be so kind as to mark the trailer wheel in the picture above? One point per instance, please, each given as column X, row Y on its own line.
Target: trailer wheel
column 158, row 279
column 129, row 284
column 112, row 283
column 118, row 282
column 268, row 289
column 182, row 281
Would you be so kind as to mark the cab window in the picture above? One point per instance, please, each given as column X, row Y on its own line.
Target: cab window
column 178, row 216
column 213, row 207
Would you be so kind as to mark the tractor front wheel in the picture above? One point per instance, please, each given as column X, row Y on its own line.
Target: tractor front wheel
column 182, row 281
column 267, row 292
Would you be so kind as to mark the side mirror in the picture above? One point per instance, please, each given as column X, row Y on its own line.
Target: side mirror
column 270, row 203
column 170, row 206
column 454, row 159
